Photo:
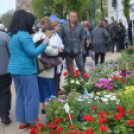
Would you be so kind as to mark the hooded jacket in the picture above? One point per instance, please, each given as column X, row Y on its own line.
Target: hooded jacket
column 73, row 40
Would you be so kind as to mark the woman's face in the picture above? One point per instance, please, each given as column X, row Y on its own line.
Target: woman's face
column 49, row 33
column 57, row 28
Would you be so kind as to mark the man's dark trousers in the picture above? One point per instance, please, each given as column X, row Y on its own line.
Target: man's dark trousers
column 79, row 61
column 5, row 95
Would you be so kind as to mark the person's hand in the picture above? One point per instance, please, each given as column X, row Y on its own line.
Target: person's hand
column 46, row 42
column 61, row 49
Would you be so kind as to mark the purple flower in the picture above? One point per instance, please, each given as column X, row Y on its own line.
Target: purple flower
column 62, row 101
column 46, row 103
column 128, row 76
column 71, row 94
column 71, row 111
column 110, row 80
column 74, row 89
column 110, row 87
column 63, row 95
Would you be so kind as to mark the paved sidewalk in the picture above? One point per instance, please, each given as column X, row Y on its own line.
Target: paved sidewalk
column 13, row 127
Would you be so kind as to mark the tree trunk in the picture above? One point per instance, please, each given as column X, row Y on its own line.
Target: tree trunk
column 88, row 16
column 128, row 20
column 102, row 10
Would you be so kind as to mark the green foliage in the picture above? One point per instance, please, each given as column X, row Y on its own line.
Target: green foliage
column 61, row 8
column 7, row 17
column 127, row 6
column 0, row 21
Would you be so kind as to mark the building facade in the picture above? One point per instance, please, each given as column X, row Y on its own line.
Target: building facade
column 115, row 11
column 23, row 4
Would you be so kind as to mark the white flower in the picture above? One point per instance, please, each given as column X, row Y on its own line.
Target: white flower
column 72, row 81
column 113, row 98
column 91, row 95
column 107, row 96
column 104, row 99
column 77, row 82
column 96, row 98
column 117, row 103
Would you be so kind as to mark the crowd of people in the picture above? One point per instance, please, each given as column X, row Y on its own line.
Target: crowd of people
column 24, row 48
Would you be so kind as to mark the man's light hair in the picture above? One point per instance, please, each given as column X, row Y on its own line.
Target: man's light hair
column 2, row 27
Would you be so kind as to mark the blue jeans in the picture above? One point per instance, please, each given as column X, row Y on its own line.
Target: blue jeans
column 27, row 98
column 84, row 61
column 91, row 54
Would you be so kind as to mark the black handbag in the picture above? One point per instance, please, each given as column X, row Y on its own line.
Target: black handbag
column 108, row 41
column 83, row 51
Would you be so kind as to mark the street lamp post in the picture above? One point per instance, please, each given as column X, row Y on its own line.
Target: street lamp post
column 94, row 13
column 117, row 11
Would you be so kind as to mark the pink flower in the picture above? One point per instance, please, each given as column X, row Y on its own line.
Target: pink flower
column 110, row 80
column 99, row 85
column 105, row 86
column 110, row 87
column 102, row 80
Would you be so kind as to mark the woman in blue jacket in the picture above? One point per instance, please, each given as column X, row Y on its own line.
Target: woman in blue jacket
column 23, row 67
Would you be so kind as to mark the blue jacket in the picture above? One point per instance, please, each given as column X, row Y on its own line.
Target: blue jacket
column 23, row 54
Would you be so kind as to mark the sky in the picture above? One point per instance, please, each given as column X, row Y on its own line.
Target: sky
column 6, row 5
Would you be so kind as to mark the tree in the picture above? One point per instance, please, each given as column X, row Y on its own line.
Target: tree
column 126, row 9
column 61, row 8
column 6, row 19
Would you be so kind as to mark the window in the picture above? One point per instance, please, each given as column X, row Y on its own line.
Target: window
column 114, row 3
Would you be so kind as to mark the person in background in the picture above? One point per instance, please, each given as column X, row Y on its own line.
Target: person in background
column 57, row 43
column 99, row 36
column 89, row 46
column 115, row 36
column 126, row 40
column 130, row 32
column 122, row 35
column 46, row 78
column 5, row 77
column 85, row 52
column 73, row 36
column 23, row 68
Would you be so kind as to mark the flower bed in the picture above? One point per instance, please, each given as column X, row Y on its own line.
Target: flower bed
column 101, row 105
column 107, row 115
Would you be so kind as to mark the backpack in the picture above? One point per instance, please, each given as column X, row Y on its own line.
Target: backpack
column 115, row 35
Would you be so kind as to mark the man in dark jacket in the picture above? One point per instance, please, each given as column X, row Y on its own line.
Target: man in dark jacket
column 73, row 36
column 122, row 35
column 115, row 36
column 5, row 77
column 130, row 32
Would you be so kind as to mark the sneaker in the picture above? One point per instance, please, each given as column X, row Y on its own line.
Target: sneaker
column 23, row 128
column 43, row 111
column 6, row 120
column 65, row 66
column 61, row 92
column 32, row 127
